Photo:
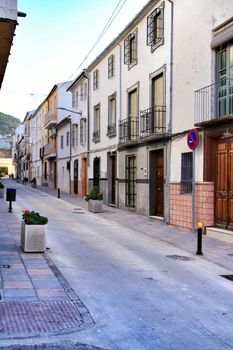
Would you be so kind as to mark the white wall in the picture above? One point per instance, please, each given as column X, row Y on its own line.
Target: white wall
column 8, row 9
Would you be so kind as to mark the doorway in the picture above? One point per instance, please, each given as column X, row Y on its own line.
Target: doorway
column 84, row 176
column 224, row 184
column 112, row 179
column 76, row 176
column 157, row 183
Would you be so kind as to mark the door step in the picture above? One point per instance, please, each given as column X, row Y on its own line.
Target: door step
column 160, row 218
column 220, row 233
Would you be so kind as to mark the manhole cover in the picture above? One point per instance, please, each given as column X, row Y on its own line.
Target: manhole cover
column 228, row 277
column 38, row 317
column 179, row 257
column 77, row 208
column 43, row 195
column 77, row 212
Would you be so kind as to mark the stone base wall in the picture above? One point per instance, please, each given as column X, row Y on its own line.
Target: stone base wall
column 181, row 205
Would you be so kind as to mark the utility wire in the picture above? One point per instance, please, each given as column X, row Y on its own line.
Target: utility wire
column 104, row 30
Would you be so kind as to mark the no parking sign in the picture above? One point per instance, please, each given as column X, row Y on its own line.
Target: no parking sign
column 192, row 139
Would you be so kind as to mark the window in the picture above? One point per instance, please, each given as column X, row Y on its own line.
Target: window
column 155, row 28
column 96, row 79
column 111, row 115
column 85, row 91
column 67, row 138
column 186, row 172
column 73, row 99
column 111, row 66
column 82, row 131
column 45, row 170
column 130, row 181
column 76, row 134
column 225, row 79
column 73, row 135
column 62, row 141
column 96, row 133
column 130, row 49
column 81, row 92
column 76, row 99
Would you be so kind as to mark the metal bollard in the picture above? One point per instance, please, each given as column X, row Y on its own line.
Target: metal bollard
column 199, row 238
column 58, row 193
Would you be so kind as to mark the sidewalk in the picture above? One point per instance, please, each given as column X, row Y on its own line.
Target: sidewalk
column 35, row 300
column 215, row 251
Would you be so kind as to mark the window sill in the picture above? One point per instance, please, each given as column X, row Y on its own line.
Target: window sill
column 153, row 47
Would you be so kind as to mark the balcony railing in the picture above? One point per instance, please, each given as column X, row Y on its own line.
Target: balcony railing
column 96, row 136
column 128, row 129
column 111, row 129
column 50, row 119
column 214, row 101
column 50, row 149
column 153, row 121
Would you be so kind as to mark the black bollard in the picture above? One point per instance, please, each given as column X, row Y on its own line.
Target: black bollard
column 58, row 193
column 199, row 238
column 10, row 207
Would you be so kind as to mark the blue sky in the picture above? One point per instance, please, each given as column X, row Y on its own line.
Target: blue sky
column 51, row 42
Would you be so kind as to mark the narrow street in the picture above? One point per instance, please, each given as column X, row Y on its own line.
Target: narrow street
column 138, row 297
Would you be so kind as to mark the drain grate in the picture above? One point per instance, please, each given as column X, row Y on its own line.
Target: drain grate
column 228, row 277
column 5, row 266
column 179, row 257
column 77, row 212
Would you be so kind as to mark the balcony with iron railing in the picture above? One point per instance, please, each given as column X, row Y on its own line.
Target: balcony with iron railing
column 153, row 121
column 214, row 103
column 128, row 129
column 50, row 150
column 111, row 130
column 96, row 136
column 50, row 119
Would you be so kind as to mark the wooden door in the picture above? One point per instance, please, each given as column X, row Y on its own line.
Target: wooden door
column 224, row 185
column 159, row 179
column 84, row 176
column 76, row 176
column 230, row 185
column 55, row 174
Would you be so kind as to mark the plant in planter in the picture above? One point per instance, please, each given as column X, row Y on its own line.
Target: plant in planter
column 1, row 190
column 33, row 183
column 95, row 200
column 33, row 231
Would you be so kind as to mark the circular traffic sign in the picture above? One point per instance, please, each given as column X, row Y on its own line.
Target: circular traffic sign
column 192, row 139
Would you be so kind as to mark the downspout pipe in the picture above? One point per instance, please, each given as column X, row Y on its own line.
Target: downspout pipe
column 170, row 110
column 86, row 75
column 120, row 116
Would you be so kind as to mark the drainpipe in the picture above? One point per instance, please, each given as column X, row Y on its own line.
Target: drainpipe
column 86, row 75
column 120, row 109
column 170, row 113
column 70, row 152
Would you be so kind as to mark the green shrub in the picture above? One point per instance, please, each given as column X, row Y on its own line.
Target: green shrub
column 33, row 218
column 1, row 185
column 94, row 194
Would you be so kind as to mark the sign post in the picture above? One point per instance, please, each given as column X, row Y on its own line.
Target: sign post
column 192, row 141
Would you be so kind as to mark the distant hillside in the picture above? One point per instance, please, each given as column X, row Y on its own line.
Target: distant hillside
column 8, row 124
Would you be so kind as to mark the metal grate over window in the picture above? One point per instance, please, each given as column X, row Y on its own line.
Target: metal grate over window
column 111, row 66
column 95, row 79
column 155, row 26
column 130, row 49
column 130, row 181
column 186, row 172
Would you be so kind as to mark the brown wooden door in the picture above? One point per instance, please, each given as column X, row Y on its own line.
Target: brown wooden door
column 224, row 185
column 159, row 176
column 84, row 176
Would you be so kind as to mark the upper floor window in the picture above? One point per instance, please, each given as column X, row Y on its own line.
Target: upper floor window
column 82, row 131
column 111, row 66
column 62, row 141
column 95, row 79
column 111, row 129
column 130, row 49
column 85, row 91
column 155, row 28
column 67, row 138
column 96, row 132
column 81, row 92
column 73, row 135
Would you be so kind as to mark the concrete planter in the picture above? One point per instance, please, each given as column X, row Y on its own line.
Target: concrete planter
column 33, row 238
column 96, row 206
column 1, row 192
